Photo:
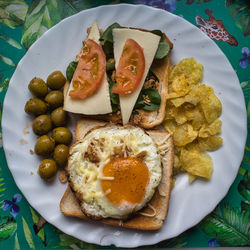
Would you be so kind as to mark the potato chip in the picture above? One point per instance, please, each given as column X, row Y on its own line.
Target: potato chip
column 170, row 111
column 196, row 116
column 193, row 95
column 180, row 85
column 177, row 102
column 210, row 103
column 210, row 143
column 172, row 95
column 169, row 125
column 177, row 165
column 180, row 117
column 196, row 163
column 190, row 68
column 184, row 134
column 207, row 130
column 191, row 178
column 191, row 117
column 178, row 88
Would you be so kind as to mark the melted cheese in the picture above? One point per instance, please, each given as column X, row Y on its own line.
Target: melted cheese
column 99, row 102
column 149, row 42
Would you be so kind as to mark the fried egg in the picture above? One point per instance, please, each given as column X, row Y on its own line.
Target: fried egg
column 114, row 171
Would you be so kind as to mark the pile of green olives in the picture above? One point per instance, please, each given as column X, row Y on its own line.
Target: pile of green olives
column 49, row 122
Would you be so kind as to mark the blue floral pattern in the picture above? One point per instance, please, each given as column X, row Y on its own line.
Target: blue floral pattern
column 246, row 58
column 14, row 208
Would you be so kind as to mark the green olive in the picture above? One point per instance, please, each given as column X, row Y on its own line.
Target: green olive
column 59, row 117
column 54, row 99
column 38, row 87
column 42, row 125
column 62, row 135
column 44, row 145
column 47, row 169
column 35, row 107
column 61, row 153
column 56, row 80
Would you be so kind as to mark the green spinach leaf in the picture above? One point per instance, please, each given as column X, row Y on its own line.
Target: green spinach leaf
column 114, row 98
column 152, row 74
column 163, row 47
column 158, row 33
column 71, row 70
column 108, row 49
column 153, row 96
column 107, row 34
column 110, row 66
column 163, row 50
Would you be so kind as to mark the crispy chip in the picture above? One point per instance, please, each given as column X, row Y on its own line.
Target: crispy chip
column 170, row 111
column 177, row 102
column 210, row 103
column 190, row 68
column 169, row 125
column 196, row 116
column 196, row 163
column 180, row 85
column 184, row 134
column 191, row 117
column 193, row 95
column 172, row 95
column 211, row 143
column 177, row 165
column 210, row 129
column 191, row 178
column 180, row 117
column 177, row 162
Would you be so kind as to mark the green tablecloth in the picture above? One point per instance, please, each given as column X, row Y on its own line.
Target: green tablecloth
column 229, row 224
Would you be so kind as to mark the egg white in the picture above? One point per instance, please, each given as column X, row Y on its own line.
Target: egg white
column 85, row 175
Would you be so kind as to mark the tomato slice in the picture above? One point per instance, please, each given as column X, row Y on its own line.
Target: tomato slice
column 130, row 68
column 89, row 71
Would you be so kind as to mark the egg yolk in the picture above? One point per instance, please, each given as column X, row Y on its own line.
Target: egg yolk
column 127, row 185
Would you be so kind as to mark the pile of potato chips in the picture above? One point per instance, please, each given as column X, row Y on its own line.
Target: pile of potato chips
column 192, row 113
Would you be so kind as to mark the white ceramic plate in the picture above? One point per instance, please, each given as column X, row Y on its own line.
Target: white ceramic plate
column 53, row 51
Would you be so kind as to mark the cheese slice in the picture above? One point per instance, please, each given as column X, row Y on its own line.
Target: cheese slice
column 149, row 42
column 99, row 102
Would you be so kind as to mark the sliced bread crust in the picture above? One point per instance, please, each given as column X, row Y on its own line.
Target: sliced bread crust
column 157, row 206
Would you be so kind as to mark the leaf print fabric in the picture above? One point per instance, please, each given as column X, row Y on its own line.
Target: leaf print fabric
column 13, row 13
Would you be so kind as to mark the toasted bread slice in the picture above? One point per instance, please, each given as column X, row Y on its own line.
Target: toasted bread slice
column 153, row 215
column 145, row 119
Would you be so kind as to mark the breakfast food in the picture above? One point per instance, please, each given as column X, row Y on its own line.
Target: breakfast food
column 99, row 101
column 156, row 147
column 114, row 171
column 122, row 174
column 130, row 90
column 192, row 113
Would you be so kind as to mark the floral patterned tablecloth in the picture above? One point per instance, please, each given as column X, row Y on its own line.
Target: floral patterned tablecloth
column 227, row 22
